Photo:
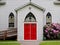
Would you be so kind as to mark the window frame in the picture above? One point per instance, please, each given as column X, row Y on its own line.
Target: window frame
column 29, row 18
column 11, row 23
column 49, row 21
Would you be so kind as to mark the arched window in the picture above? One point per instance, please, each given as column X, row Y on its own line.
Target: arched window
column 48, row 18
column 30, row 18
column 11, row 20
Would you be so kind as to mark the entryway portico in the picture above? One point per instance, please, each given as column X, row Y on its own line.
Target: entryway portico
column 30, row 27
column 30, row 22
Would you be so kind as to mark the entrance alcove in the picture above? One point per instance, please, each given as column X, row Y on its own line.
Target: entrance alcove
column 30, row 27
column 30, row 24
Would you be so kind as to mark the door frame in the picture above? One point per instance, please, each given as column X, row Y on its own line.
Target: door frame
column 36, row 29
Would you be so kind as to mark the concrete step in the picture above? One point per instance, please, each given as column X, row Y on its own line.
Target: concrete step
column 29, row 42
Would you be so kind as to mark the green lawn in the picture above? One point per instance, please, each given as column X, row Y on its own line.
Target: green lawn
column 42, row 43
column 9, row 43
column 50, row 43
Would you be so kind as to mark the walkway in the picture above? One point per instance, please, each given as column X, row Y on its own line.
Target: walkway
column 29, row 42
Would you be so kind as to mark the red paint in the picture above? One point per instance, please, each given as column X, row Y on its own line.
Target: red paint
column 30, row 32
column 26, row 31
column 33, row 32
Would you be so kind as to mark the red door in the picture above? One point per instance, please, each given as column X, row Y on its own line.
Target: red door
column 27, row 31
column 30, row 32
column 33, row 32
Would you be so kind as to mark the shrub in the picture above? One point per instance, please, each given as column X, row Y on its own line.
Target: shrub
column 51, row 32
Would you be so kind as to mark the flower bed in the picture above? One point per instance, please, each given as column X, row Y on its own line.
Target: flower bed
column 52, row 32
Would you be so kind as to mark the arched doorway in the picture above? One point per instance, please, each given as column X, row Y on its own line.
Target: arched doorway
column 30, row 27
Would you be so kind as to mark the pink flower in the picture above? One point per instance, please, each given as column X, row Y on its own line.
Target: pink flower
column 57, row 31
column 54, row 31
column 54, row 24
column 46, row 31
column 47, row 28
column 58, row 26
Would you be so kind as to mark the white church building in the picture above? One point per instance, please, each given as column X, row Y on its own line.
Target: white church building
column 29, row 17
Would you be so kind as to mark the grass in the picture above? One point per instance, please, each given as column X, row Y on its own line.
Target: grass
column 50, row 43
column 55, row 42
column 9, row 43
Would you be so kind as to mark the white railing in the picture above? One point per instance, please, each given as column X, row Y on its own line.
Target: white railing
column 8, row 33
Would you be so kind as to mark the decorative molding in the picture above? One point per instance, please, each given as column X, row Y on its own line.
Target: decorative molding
column 32, row 4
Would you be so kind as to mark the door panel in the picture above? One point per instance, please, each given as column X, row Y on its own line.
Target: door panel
column 33, row 32
column 26, row 31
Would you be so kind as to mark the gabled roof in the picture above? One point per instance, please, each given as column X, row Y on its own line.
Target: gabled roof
column 32, row 4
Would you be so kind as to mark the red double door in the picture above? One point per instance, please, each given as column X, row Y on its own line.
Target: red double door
column 30, row 32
